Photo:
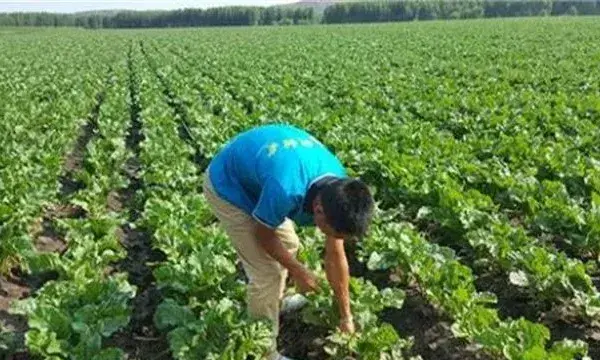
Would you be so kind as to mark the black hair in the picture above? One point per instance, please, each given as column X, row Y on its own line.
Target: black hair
column 348, row 206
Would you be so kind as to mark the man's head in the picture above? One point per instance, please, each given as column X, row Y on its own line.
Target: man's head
column 344, row 208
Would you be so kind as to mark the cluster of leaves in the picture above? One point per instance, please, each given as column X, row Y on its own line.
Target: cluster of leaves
column 473, row 218
column 373, row 339
column 450, row 286
column 70, row 318
column 221, row 330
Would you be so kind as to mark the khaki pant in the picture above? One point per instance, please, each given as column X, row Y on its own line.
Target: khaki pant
column 266, row 276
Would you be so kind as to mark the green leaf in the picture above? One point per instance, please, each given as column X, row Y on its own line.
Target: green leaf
column 170, row 314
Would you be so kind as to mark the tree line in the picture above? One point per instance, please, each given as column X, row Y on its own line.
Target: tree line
column 344, row 12
column 221, row 16
column 462, row 9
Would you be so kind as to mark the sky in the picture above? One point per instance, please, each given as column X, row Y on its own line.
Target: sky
column 74, row 6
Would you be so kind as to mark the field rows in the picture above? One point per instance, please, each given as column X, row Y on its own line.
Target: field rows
column 479, row 138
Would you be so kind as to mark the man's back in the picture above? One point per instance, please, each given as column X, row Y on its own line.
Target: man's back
column 268, row 170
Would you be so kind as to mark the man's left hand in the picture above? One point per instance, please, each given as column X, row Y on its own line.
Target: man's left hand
column 347, row 326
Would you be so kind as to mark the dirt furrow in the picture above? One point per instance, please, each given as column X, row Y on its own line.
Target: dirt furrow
column 140, row 340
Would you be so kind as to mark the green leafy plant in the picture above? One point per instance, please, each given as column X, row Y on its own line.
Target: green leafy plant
column 71, row 318
column 221, row 330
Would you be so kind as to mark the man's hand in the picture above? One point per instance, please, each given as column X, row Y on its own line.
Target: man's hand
column 268, row 241
column 347, row 326
column 305, row 280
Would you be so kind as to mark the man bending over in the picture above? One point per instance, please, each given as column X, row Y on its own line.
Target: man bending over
column 263, row 182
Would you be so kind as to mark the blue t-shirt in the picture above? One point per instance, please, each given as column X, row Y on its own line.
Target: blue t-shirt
column 267, row 171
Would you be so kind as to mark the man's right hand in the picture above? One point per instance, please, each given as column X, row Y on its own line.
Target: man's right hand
column 305, row 280
column 267, row 239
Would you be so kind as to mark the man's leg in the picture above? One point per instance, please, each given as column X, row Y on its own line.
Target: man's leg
column 266, row 276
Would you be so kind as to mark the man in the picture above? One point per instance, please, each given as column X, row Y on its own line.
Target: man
column 264, row 181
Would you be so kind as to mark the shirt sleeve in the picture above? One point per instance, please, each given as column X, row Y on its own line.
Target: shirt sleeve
column 274, row 205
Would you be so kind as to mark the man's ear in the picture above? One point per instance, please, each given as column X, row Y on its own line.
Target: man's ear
column 317, row 206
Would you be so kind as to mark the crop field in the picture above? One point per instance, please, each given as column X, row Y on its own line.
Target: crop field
column 481, row 140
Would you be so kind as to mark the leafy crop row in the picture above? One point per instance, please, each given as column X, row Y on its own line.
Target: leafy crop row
column 88, row 302
column 44, row 105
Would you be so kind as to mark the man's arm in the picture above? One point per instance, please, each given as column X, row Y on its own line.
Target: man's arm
column 269, row 242
column 338, row 274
